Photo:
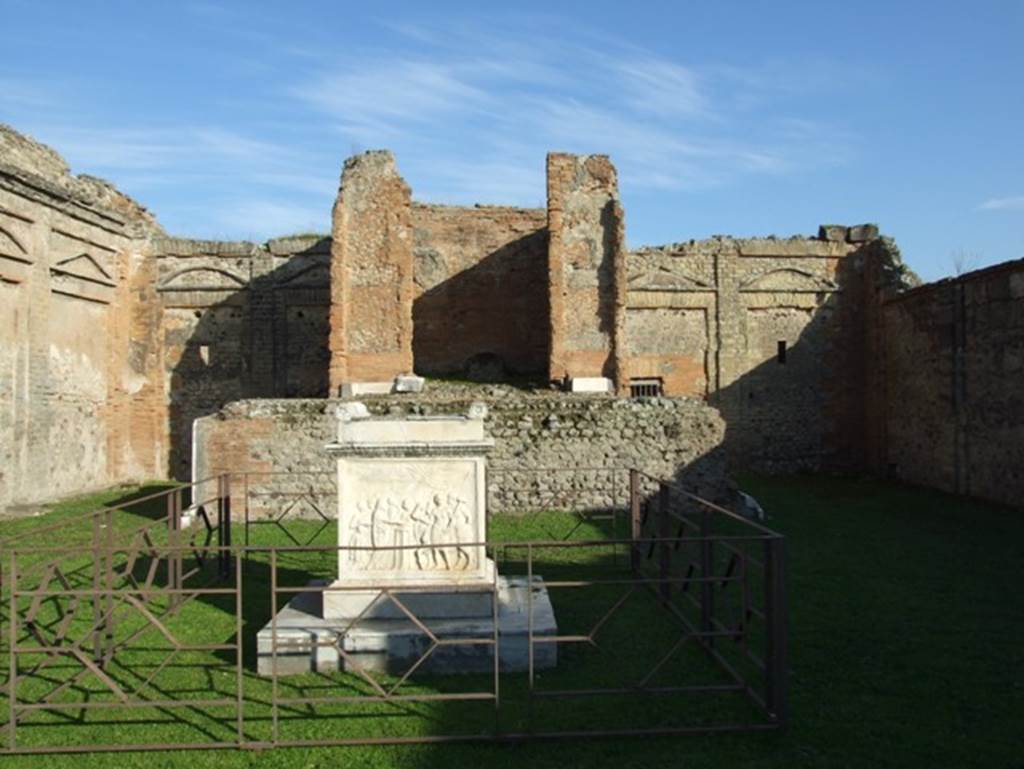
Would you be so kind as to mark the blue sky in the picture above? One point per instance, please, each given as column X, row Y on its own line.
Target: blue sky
column 231, row 120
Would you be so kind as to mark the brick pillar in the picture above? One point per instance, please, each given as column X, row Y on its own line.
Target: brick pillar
column 371, row 273
column 586, row 266
column 137, row 408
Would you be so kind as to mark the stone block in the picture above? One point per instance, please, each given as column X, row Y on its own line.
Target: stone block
column 833, row 232
column 307, row 642
column 355, row 389
column 411, row 506
column 408, row 383
column 592, row 384
column 862, row 233
column 440, row 604
column 415, row 429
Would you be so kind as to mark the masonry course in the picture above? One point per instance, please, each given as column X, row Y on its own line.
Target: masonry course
column 547, row 448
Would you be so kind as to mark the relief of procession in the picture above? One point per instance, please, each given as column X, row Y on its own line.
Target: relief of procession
column 435, row 525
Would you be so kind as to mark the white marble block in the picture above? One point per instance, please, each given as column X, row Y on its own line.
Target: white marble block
column 411, row 505
column 403, row 383
column 593, row 384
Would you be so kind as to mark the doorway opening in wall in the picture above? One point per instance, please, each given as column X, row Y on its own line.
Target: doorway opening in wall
column 647, row 387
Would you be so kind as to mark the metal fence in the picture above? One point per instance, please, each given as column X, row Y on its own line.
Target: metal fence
column 142, row 636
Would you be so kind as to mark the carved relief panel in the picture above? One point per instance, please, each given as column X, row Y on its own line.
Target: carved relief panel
column 411, row 518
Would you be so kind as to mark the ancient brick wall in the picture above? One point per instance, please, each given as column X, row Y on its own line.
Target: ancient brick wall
column 952, row 360
column 769, row 330
column 239, row 320
column 78, row 369
column 586, row 266
column 480, row 306
column 371, row 273
column 546, row 447
column 114, row 338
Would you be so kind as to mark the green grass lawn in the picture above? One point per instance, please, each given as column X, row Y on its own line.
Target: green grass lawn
column 907, row 649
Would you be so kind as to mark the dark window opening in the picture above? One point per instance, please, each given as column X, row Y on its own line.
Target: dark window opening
column 780, row 356
column 645, row 388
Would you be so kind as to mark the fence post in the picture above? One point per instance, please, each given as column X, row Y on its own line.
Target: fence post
column 245, row 503
column 173, row 527
column 108, row 602
column 776, row 662
column 664, row 551
column 226, row 534
column 707, row 585
column 97, row 599
column 634, row 518
column 12, row 660
column 220, row 526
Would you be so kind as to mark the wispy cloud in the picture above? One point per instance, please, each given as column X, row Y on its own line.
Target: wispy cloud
column 183, row 153
column 660, row 87
column 24, row 93
column 474, row 102
column 380, row 99
column 1012, row 203
column 249, row 187
column 469, row 110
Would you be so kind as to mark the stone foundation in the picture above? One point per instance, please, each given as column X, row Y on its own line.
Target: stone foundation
column 594, row 440
column 306, row 642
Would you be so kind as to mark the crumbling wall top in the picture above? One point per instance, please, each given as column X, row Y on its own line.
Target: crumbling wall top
column 44, row 170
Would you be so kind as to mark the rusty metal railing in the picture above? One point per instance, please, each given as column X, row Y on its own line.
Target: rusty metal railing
column 674, row 626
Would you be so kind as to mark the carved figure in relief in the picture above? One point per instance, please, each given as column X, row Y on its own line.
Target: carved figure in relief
column 361, row 535
column 461, row 529
column 387, row 527
column 439, row 533
column 422, row 523
column 433, row 526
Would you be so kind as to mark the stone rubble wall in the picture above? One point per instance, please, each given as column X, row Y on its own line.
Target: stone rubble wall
column 550, row 451
column 770, row 330
column 952, row 365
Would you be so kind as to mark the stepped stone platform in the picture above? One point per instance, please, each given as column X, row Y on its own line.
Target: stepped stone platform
column 388, row 640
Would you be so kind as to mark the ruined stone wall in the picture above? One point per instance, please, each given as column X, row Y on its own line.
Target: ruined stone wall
column 769, row 330
column 586, row 267
column 371, row 273
column 952, row 368
column 480, row 306
column 114, row 338
column 80, row 385
column 545, row 455
column 239, row 320
column 242, row 320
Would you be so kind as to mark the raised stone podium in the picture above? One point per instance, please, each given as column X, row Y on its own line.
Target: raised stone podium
column 413, row 573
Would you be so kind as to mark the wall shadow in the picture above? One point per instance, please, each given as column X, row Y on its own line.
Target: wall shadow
column 804, row 407
column 266, row 340
column 490, row 322
column 270, row 339
column 801, row 408
column 610, row 227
